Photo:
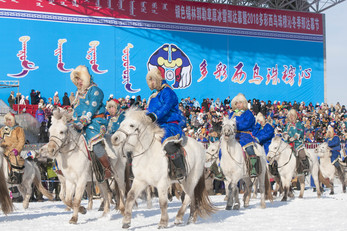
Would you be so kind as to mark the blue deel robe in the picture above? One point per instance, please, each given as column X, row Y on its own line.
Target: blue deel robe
column 164, row 105
column 244, row 122
column 90, row 111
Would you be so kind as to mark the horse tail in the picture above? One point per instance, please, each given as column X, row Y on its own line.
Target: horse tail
column 5, row 200
column 203, row 204
column 37, row 182
column 268, row 189
column 323, row 180
column 127, row 178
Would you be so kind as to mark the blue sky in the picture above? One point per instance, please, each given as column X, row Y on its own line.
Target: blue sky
column 336, row 48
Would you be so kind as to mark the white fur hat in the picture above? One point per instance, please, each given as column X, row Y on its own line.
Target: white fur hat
column 239, row 98
column 82, row 73
column 10, row 116
column 293, row 112
column 260, row 117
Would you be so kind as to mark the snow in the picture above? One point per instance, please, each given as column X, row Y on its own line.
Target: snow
column 309, row 213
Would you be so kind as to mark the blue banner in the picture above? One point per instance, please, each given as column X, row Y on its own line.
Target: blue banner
column 201, row 64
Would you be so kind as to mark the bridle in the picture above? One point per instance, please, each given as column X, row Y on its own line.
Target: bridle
column 61, row 143
column 139, row 135
column 215, row 155
column 278, row 152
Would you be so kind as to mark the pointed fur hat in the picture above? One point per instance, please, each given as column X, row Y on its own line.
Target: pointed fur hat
column 81, row 72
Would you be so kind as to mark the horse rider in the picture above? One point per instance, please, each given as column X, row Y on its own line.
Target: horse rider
column 89, row 118
column 263, row 132
column 163, row 109
column 12, row 139
column 293, row 134
column 333, row 141
column 245, row 122
column 115, row 115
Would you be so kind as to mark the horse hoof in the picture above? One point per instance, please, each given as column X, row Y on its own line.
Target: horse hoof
column 161, row 226
column 82, row 210
column 73, row 220
column 228, row 207
column 236, row 207
column 178, row 222
column 126, row 226
column 284, row 199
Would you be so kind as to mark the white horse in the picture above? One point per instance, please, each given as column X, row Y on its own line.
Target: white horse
column 234, row 166
column 68, row 147
column 328, row 169
column 283, row 153
column 30, row 176
column 141, row 138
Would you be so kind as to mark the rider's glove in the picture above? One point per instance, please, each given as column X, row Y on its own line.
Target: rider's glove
column 291, row 139
column 152, row 116
column 15, row 152
column 78, row 125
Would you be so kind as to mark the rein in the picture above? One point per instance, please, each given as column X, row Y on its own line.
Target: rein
column 63, row 142
column 277, row 153
column 138, row 138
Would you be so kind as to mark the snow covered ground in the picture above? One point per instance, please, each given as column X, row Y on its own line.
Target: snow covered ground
column 310, row 213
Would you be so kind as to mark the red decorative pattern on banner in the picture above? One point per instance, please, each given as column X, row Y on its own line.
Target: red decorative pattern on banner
column 182, row 12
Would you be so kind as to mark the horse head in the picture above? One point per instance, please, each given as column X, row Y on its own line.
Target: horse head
column 229, row 128
column 323, row 150
column 274, row 149
column 58, row 132
column 136, row 128
column 212, row 152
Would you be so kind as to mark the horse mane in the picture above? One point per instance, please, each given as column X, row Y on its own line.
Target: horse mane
column 141, row 115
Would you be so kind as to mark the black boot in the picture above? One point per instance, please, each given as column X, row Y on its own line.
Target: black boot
column 305, row 166
column 15, row 177
column 174, row 152
column 254, row 161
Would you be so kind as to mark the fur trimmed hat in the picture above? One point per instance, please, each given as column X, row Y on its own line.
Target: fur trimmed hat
column 10, row 116
column 81, row 72
column 112, row 103
column 239, row 98
column 260, row 118
column 293, row 113
column 155, row 74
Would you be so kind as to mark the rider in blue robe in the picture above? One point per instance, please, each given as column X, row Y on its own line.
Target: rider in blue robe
column 115, row 115
column 334, row 143
column 163, row 109
column 89, row 114
column 245, row 122
column 263, row 132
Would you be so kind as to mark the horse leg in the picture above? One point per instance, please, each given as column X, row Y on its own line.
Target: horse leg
column 76, row 205
column 89, row 191
column 136, row 188
column 332, row 188
column 230, row 199
column 302, row 185
column 285, row 193
column 163, row 202
column 261, row 181
column 106, row 197
column 226, row 190
column 26, row 191
column 183, row 208
column 247, row 193
column 255, row 189
column 316, row 182
column 149, row 197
